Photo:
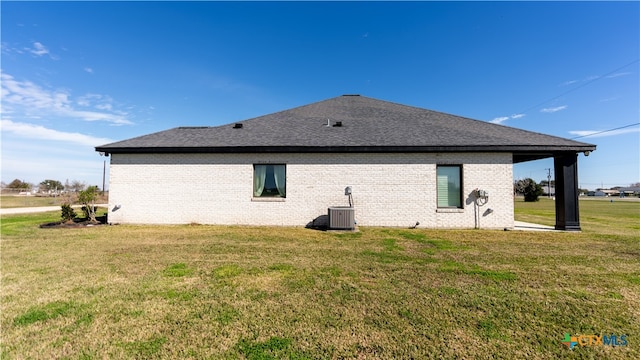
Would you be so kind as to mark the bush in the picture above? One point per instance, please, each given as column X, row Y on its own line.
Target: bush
column 67, row 213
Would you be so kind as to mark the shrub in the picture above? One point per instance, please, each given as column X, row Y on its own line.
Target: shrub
column 67, row 213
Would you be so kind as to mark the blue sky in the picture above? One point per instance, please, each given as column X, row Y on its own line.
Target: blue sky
column 80, row 74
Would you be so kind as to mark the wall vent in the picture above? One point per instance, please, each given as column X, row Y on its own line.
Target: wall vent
column 237, row 126
column 342, row 218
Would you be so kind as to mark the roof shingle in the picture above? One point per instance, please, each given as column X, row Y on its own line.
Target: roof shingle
column 367, row 125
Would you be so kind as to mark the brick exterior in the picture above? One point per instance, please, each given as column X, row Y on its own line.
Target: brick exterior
column 388, row 189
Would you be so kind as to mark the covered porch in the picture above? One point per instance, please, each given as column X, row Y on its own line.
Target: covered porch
column 566, row 179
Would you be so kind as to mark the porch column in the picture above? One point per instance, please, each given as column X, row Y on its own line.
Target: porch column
column 567, row 212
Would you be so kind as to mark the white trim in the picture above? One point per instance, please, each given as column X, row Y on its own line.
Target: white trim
column 447, row 210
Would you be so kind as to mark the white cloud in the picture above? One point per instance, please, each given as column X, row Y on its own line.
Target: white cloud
column 25, row 93
column 89, row 70
column 601, row 133
column 36, row 102
column 88, row 99
column 39, row 49
column 617, row 75
column 595, row 77
column 499, row 120
column 97, row 101
column 554, row 109
column 107, row 107
column 610, row 99
column 37, row 132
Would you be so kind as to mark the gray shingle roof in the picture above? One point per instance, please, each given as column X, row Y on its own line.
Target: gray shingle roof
column 368, row 125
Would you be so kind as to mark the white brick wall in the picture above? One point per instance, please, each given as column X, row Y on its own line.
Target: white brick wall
column 388, row 189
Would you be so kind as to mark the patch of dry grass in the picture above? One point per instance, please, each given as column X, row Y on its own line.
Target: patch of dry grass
column 262, row 293
column 19, row 201
column 16, row 201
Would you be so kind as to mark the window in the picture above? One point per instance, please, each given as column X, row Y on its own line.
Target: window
column 449, row 184
column 269, row 180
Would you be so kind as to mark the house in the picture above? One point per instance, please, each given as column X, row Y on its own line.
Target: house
column 632, row 191
column 402, row 165
column 549, row 190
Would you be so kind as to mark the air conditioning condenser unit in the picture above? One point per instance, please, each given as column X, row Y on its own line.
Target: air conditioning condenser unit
column 342, row 218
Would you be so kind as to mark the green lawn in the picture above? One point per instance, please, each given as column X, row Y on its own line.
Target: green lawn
column 221, row 292
column 604, row 215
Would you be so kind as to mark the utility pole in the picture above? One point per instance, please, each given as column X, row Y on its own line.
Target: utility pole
column 548, row 182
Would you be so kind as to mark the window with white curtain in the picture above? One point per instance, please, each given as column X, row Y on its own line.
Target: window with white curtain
column 449, row 186
column 270, row 180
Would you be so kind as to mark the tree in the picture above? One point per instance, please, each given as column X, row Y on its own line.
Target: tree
column 518, row 187
column 19, row 184
column 528, row 188
column 76, row 186
column 48, row 185
column 531, row 190
column 88, row 199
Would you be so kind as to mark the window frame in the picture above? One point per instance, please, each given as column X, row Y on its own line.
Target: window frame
column 460, row 168
column 281, row 194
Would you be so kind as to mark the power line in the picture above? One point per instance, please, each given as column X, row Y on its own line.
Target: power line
column 605, row 131
column 581, row 86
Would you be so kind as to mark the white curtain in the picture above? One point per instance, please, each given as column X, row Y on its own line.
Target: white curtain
column 280, row 177
column 259, row 175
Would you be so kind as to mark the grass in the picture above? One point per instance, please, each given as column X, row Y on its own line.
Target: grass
column 271, row 293
column 14, row 201
column 11, row 201
column 610, row 215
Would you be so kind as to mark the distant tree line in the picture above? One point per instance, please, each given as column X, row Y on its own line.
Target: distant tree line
column 47, row 185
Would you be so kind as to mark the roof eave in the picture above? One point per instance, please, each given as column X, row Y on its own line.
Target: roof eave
column 541, row 149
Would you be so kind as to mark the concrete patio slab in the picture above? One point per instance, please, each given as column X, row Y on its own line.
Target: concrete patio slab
column 525, row 226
